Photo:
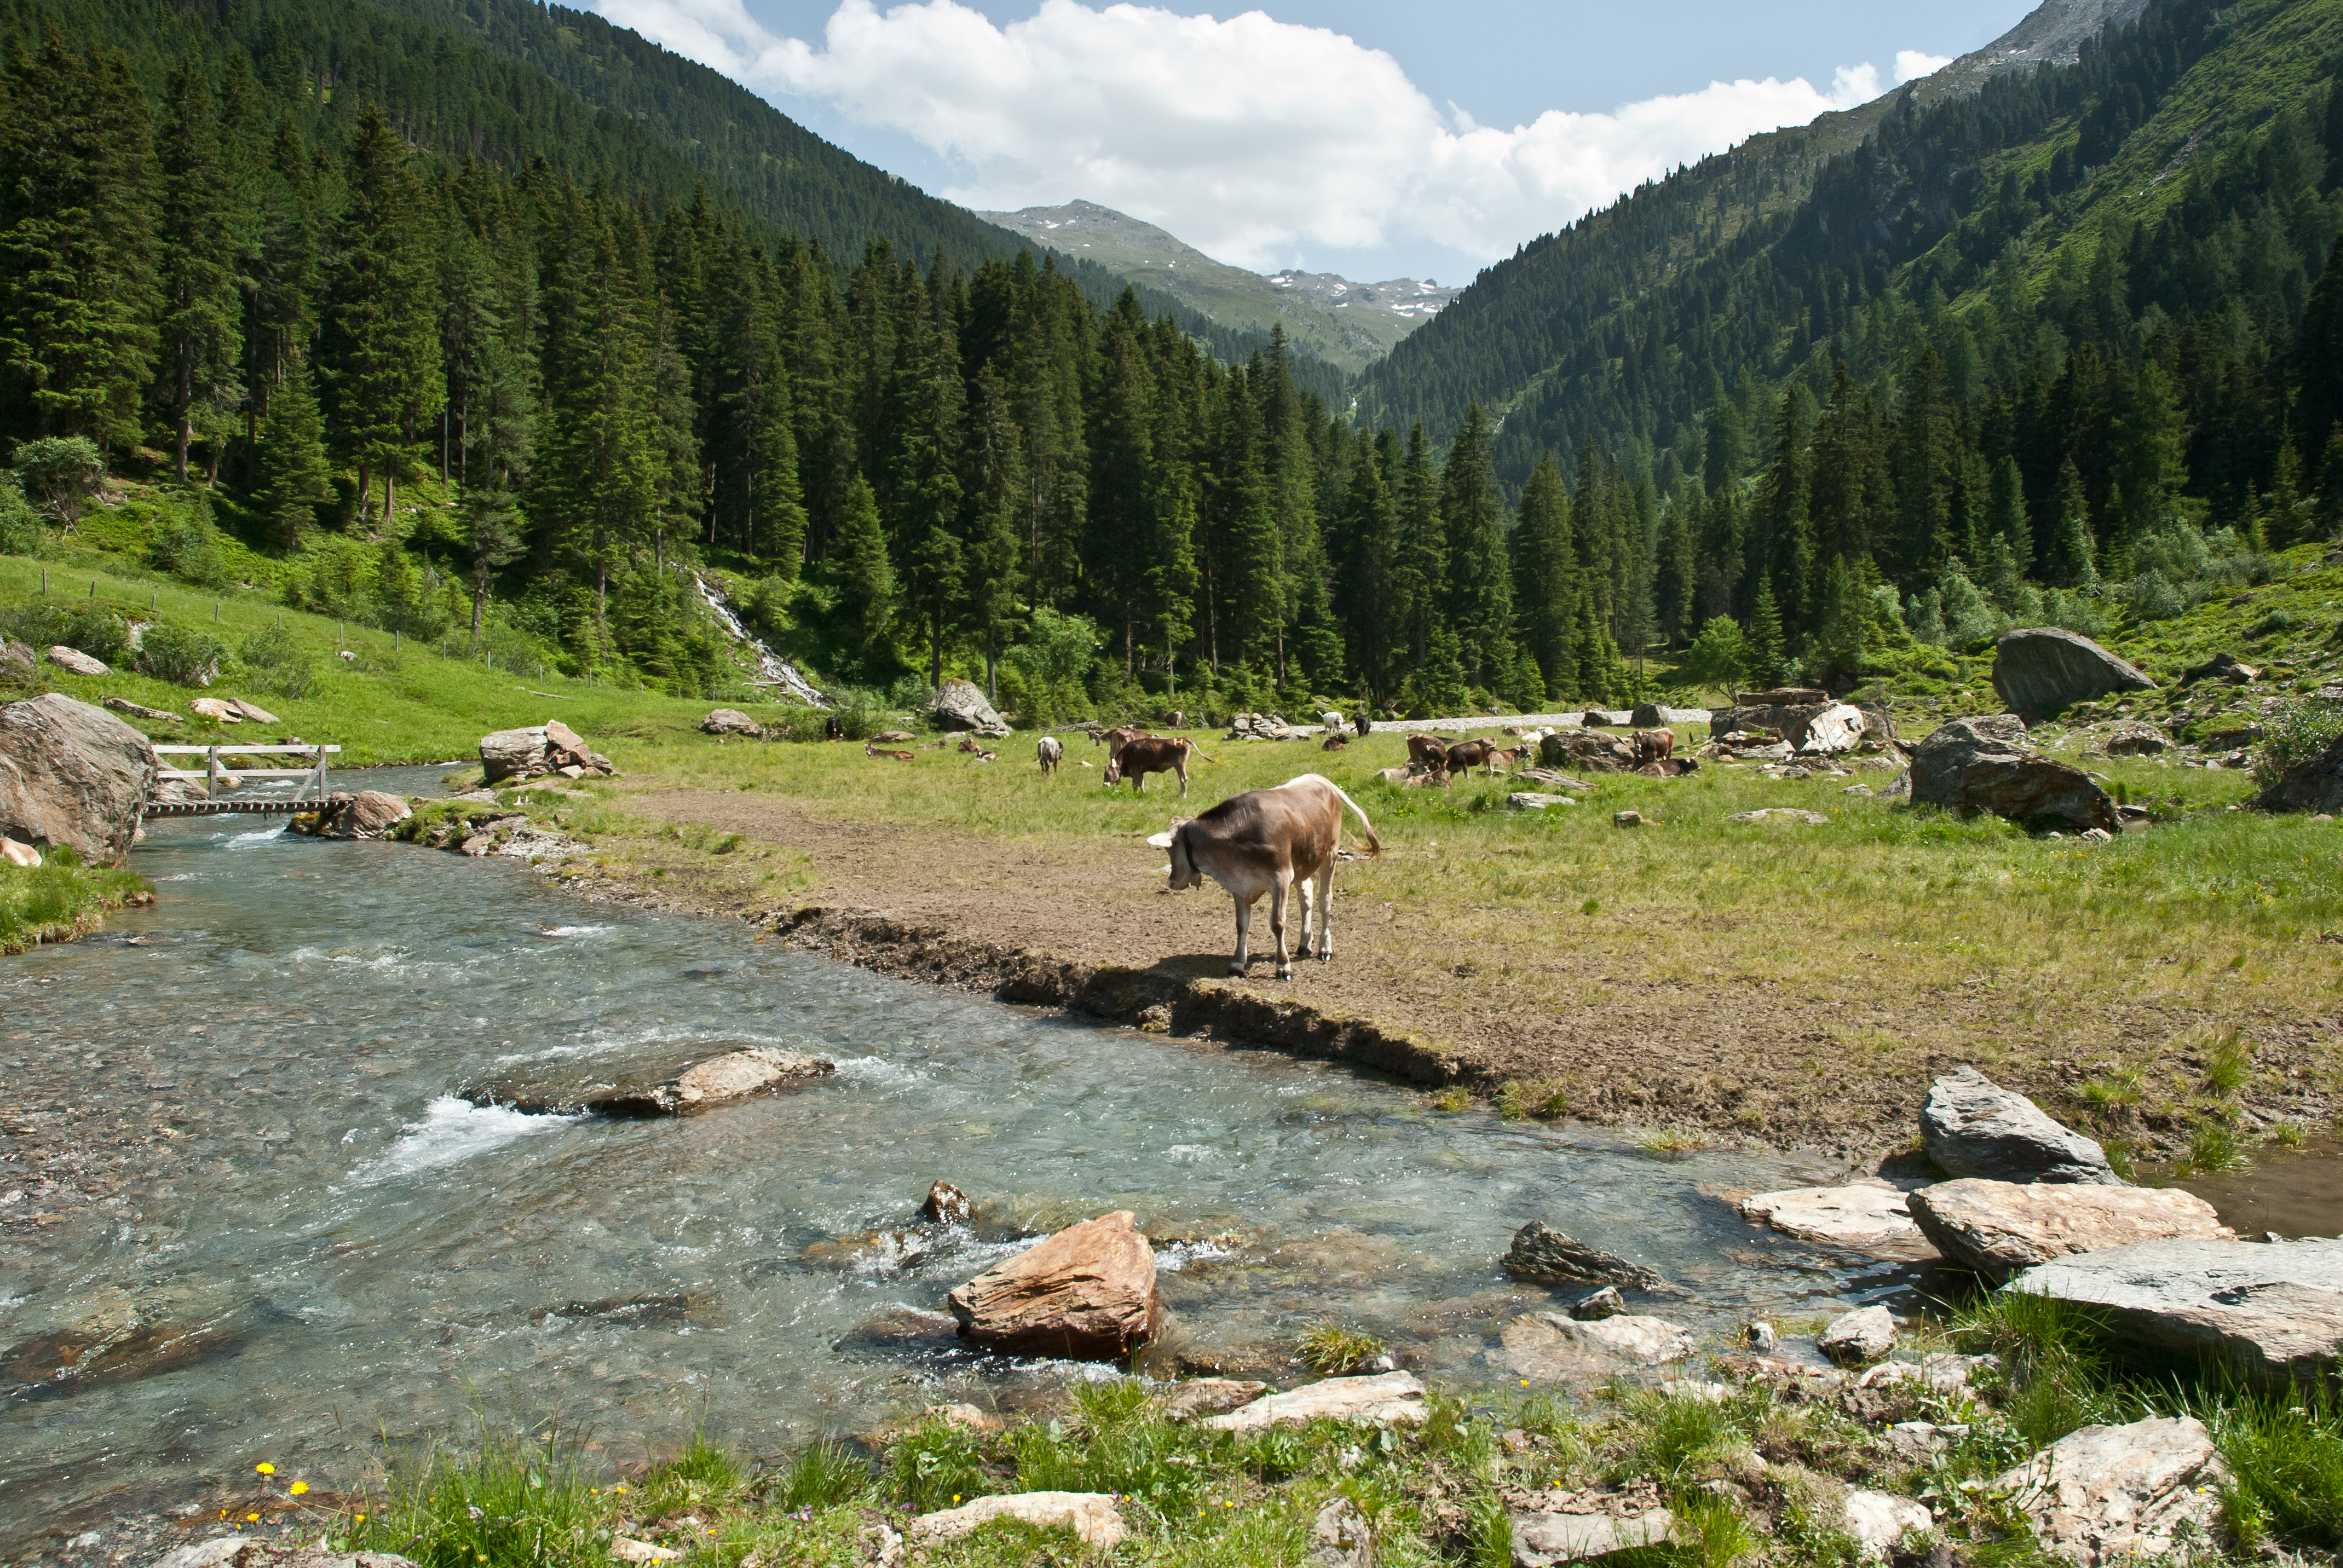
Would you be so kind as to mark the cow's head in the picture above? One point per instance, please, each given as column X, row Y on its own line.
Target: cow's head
column 1114, row 767
column 1183, row 863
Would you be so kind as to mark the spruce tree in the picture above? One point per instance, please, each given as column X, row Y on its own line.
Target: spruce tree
column 1543, row 565
column 294, row 478
column 1767, row 663
column 2006, row 513
column 2071, row 560
column 201, row 234
column 1420, row 570
column 866, row 580
column 1480, row 597
column 382, row 342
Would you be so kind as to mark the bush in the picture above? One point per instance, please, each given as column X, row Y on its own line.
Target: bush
column 180, row 655
column 61, row 472
column 185, row 545
column 279, row 661
column 20, row 526
column 2297, row 732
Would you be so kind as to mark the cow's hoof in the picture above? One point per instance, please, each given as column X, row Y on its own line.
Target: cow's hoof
column 1326, row 958
column 1285, row 974
column 1236, row 972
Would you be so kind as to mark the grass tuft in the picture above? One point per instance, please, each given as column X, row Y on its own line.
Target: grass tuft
column 1331, row 1349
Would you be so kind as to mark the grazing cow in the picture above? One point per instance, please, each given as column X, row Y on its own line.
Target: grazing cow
column 1467, row 755
column 1140, row 755
column 870, row 750
column 1332, row 721
column 1427, row 751
column 1179, row 718
column 1269, row 841
column 1114, row 739
column 1049, row 752
column 1653, row 745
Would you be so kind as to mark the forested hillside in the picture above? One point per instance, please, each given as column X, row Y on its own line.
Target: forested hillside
column 441, row 347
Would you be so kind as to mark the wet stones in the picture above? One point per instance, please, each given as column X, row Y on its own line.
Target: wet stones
column 1204, row 1396
column 1863, row 1216
column 699, row 1086
column 1087, row 1293
column 72, row 775
column 2002, row 1228
column 1974, row 1127
column 1855, row 1338
column 368, row 814
column 1544, row 1256
column 1552, row 1348
column 947, row 1205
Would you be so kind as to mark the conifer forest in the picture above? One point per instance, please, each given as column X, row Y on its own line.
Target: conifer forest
column 458, row 360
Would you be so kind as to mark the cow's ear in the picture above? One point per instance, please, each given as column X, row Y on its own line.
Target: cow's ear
column 1161, row 840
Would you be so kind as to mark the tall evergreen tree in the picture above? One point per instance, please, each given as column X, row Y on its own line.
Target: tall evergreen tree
column 201, row 233
column 1543, row 570
column 294, row 478
column 382, row 346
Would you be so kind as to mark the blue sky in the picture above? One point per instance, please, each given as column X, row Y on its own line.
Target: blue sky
column 1372, row 138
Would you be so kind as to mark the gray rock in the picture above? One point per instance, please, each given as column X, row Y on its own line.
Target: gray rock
column 1533, row 800
column 1391, row 1399
column 1784, row 814
column 72, row 775
column 678, row 1086
column 2135, row 741
column 2041, row 670
column 1980, row 765
column 1586, row 751
column 1863, row 1215
column 73, row 661
column 16, row 660
column 1542, row 1540
column 1880, row 1521
column 249, row 1552
column 1626, row 819
column 729, row 721
column 2271, row 1312
column 1544, row 1256
column 515, row 754
column 2313, row 784
column 1606, row 1303
column 960, row 705
column 1339, row 1537
column 368, row 814
column 140, row 710
column 2111, row 1495
column 1974, row 1127
column 1862, row 1335
column 1817, row 727
column 2001, row 1228
column 1553, row 1348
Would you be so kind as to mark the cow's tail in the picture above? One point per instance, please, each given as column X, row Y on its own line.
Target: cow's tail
column 1197, row 753
column 1375, row 845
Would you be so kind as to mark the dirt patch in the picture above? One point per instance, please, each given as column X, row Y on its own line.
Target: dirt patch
column 1087, row 927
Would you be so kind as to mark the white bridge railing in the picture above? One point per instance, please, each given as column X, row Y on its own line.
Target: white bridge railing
column 212, row 773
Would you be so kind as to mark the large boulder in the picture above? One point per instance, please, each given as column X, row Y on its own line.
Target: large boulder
column 1587, row 750
column 1544, row 1256
column 1086, row 1294
column 1980, row 765
column 514, row 754
column 1815, row 727
column 960, row 705
column 1971, row 1126
column 2313, row 784
column 72, row 775
column 2271, row 1312
column 678, row 1085
column 2003, row 1228
column 75, row 662
column 2123, row 1495
column 1388, row 1399
column 729, row 721
column 2042, row 670
column 1652, row 716
column 368, row 814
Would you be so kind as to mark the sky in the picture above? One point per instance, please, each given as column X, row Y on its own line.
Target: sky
column 1368, row 137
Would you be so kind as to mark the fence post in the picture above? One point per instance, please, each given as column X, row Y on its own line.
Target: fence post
column 211, row 774
column 321, row 775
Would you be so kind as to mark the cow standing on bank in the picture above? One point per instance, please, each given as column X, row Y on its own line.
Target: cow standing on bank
column 1269, row 841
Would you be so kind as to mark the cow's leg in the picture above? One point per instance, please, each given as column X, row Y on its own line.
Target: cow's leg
column 1277, row 896
column 1310, row 917
column 1326, row 912
column 1244, row 929
column 1183, row 778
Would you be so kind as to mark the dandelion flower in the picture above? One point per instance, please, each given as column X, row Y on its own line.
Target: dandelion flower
column 254, row 1518
column 361, row 1519
column 299, row 1487
column 265, row 1468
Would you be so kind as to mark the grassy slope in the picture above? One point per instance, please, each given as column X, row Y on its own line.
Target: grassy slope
column 59, row 900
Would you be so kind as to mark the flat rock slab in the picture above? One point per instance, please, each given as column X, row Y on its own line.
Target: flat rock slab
column 1542, row 1539
column 2002, row 1228
column 247, row 1551
column 1087, row 1292
column 1880, row 1519
column 1536, row 800
column 1387, row 1399
column 677, row 1085
column 1544, row 1256
column 2039, row 670
column 1548, row 1347
column 1972, row 1126
column 1211, row 1396
column 2105, row 1494
column 2270, row 1310
column 1091, row 1515
column 1788, row 815
column 1863, row 1216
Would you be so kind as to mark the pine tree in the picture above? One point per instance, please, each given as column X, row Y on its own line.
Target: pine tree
column 200, row 234
column 295, row 480
column 382, row 344
column 1480, row 597
column 1420, row 573
column 2005, row 515
column 1369, row 570
column 865, row 581
column 1767, row 665
column 1543, row 563
column 2072, row 558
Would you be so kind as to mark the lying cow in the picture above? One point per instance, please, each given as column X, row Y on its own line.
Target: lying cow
column 1140, row 755
column 1049, row 752
column 1267, row 841
column 1428, row 751
column 870, row 750
column 1653, row 745
column 1467, row 755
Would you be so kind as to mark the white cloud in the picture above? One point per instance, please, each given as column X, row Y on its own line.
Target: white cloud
column 1911, row 65
column 1246, row 138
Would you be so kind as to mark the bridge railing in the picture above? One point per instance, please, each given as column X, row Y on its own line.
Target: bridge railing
column 212, row 773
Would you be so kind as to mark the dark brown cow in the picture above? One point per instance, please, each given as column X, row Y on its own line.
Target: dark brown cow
column 1269, row 841
column 1467, row 755
column 1140, row 755
column 1653, row 745
column 1427, row 751
column 1334, row 743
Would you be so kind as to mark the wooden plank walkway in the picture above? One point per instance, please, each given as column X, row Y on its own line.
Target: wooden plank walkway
column 224, row 808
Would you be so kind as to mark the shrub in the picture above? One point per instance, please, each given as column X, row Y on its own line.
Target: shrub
column 2297, row 732
column 62, row 472
column 2153, row 598
column 185, row 545
column 278, row 658
column 180, row 655
column 20, row 526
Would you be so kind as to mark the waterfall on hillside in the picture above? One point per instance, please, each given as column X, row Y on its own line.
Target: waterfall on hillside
column 773, row 670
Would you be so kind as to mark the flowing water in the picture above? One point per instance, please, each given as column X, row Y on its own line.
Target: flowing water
column 338, row 1250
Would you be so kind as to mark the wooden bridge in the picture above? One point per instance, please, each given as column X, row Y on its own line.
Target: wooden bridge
column 215, row 777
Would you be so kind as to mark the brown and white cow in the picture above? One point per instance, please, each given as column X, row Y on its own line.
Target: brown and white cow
column 1653, row 745
column 1049, row 752
column 1140, row 755
column 1269, row 841
column 1427, row 751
